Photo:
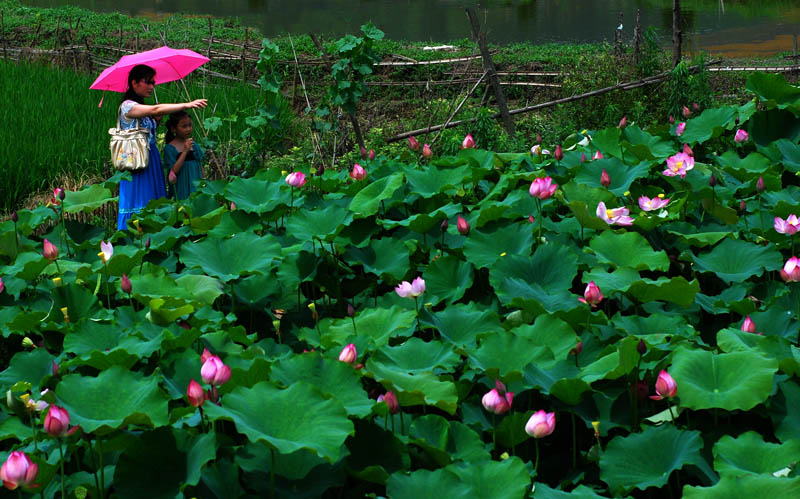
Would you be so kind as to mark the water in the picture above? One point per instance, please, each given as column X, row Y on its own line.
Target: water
column 729, row 27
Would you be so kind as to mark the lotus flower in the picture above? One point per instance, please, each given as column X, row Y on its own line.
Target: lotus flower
column 411, row 290
column 618, row 216
column 605, row 180
column 680, row 128
column 30, row 403
column 363, row 151
column 173, row 179
column 578, row 348
column 233, row 206
column 748, row 325
column 559, row 154
column 497, row 400
column 205, row 356
column 741, row 136
column 665, row 386
column 671, row 120
column 712, row 180
column 390, row 399
column 426, row 152
column 214, row 372
column 296, row 179
column 18, row 471
column 597, row 155
column 591, row 295
column 371, row 154
column 349, row 354
column 647, row 204
column 468, row 142
column 686, row 112
column 541, row 424
column 679, row 164
column 788, row 226
column 106, row 251
column 2, row 285
column 623, row 122
column 358, row 172
column 463, row 226
column 195, row 394
column 50, row 250
column 760, row 187
column 56, row 423
column 542, row 187
column 413, row 144
column 583, row 157
column 687, row 150
column 536, row 150
column 58, row 195
column 791, row 270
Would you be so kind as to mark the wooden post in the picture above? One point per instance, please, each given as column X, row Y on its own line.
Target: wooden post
column 637, row 38
column 3, row 32
column 618, row 36
column 137, row 42
column 491, row 72
column 210, row 38
column 244, row 55
column 58, row 28
column 120, row 36
column 676, row 32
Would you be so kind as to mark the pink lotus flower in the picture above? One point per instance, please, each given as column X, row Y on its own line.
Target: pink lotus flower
column 597, row 155
column 363, row 151
column 623, row 122
column 788, row 226
column 791, row 270
column 618, row 216
column 233, row 206
column 497, row 400
column 583, row 157
column 679, row 164
column 205, row 356
column 559, row 154
column 748, row 325
column 18, row 471
column 647, row 204
column 195, row 394
column 760, row 186
column 687, row 150
column 426, row 152
column 125, row 284
column 680, row 128
column 605, row 180
column 358, row 172
column 56, row 423
column 214, row 372
column 413, row 144
column 296, row 179
column 541, row 424
column 578, row 348
column 463, row 226
column 2, row 285
column 468, row 142
column 665, row 386
column 173, row 179
column 106, row 251
column 371, row 154
column 591, row 295
column 542, row 187
column 390, row 399
column 536, row 150
column 686, row 112
column 671, row 120
column 349, row 354
column 741, row 136
column 50, row 251
column 411, row 290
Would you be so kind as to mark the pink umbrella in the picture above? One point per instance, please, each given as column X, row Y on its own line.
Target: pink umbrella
column 169, row 64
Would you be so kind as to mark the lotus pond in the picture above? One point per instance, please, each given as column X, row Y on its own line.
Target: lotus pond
column 616, row 317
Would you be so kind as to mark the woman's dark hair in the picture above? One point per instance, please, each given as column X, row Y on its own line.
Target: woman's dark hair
column 139, row 72
column 172, row 122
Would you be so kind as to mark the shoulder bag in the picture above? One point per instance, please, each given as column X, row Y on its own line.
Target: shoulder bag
column 130, row 149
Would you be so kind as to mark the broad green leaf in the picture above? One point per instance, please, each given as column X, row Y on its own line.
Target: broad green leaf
column 630, row 462
column 377, row 324
column 203, row 288
column 751, row 166
column 774, row 90
column 707, row 380
column 791, row 154
column 676, row 290
column 749, row 454
column 619, row 279
column 432, row 180
column 27, row 366
column 299, row 417
column 646, row 146
column 746, row 486
column 502, row 354
column 543, row 491
column 461, row 324
column 228, row 259
column 368, row 199
column 415, row 355
column 485, row 246
column 257, row 196
column 447, row 441
column 629, row 249
column 415, row 388
column 785, row 411
column 384, row 256
column 447, row 279
column 709, row 124
column 114, row 398
column 621, row 175
column 735, row 260
column 87, row 199
column 324, row 223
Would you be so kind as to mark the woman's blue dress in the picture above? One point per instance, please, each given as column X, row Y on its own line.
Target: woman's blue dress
column 146, row 184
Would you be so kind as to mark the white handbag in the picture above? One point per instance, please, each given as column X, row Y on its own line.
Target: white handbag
column 130, row 149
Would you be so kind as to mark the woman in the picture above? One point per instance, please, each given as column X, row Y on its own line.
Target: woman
column 146, row 184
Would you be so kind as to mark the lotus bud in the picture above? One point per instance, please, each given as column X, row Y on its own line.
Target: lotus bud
column 577, row 349
column 426, row 151
column 712, row 181
column 214, row 372
column 18, row 471
column 195, row 394
column 28, row 343
column 2, row 285
column 363, row 151
column 106, row 250
column 665, row 386
column 741, row 136
column 760, row 187
column 791, row 270
column 680, row 128
column 531, row 219
column 597, row 155
column 695, row 106
column 542, row 188
column 56, row 423
column 390, row 399
column 147, row 244
column 413, row 144
column 641, row 347
column 671, row 120
column 14, row 217
column 205, row 356
column 605, row 180
column 742, row 206
column 351, row 311
column 371, row 154
column 125, row 284
column 497, row 400
column 623, row 122
column 591, row 295
column 54, row 368
column 233, row 206
column 296, row 179
column 687, row 150
column 686, row 112
column 541, row 424
column 358, row 172
column 583, row 157
column 463, row 226
column 538, row 138
column 444, row 225
column 349, row 354
column 411, row 289
column 559, row 154
column 50, row 250
column 748, row 325
column 173, row 179
column 468, row 142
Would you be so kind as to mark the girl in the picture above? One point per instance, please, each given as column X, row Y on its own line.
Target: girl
column 146, row 184
column 182, row 157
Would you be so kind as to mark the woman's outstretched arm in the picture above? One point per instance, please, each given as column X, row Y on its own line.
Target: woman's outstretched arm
column 142, row 110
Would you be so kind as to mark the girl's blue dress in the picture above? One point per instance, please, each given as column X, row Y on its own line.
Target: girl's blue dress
column 146, row 184
column 190, row 171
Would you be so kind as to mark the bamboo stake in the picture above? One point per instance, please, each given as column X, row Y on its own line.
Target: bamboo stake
column 458, row 108
column 676, row 32
column 244, row 68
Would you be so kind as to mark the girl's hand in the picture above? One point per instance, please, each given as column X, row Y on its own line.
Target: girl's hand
column 188, row 145
column 197, row 104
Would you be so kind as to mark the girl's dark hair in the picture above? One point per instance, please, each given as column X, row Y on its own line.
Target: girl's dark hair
column 172, row 122
column 139, row 72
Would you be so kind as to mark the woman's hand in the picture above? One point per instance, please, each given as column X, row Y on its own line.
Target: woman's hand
column 197, row 104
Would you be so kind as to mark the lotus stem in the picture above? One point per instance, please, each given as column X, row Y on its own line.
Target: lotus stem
column 33, row 429
column 536, row 463
column 539, row 205
column 291, row 202
column 16, row 240
column 672, row 416
column 91, row 457
column 102, row 469
column 494, row 432
column 272, row 474
column 61, row 450
column 574, row 439
column 108, row 293
column 761, row 215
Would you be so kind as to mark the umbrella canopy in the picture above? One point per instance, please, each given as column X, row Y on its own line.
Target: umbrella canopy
column 169, row 64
